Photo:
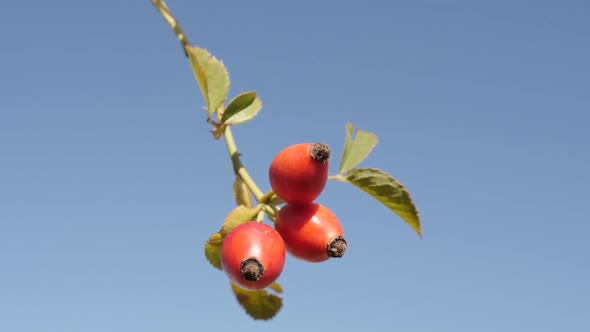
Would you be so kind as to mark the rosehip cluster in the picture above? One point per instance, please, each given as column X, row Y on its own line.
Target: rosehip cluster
column 298, row 175
column 253, row 254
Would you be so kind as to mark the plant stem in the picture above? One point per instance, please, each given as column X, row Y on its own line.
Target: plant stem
column 271, row 211
column 267, row 197
column 260, row 215
column 337, row 177
column 239, row 169
column 165, row 12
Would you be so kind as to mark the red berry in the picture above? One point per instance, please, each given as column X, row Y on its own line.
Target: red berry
column 298, row 174
column 311, row 232
column 253, row 255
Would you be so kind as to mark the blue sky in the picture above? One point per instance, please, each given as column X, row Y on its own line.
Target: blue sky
column 110, row 181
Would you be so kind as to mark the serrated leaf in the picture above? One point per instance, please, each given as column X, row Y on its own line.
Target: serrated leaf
column 258, row 304
column 356, row 148
column 213, row 254
column 388, row 191
column 242, row 193
column 242, row 109
column 239, row 215
column 211, row 76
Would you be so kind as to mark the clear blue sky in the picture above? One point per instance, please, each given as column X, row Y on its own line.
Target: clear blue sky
column 110, row 181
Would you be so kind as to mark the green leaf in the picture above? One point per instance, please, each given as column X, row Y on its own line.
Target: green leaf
column 242, row 109
column 259, row 304
column 212, row 77
column 388, row 191
column 239, row 215
column 242, row 193
column 213, row 251
column 356, row 148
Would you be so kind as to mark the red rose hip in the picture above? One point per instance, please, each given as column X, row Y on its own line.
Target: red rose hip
column 253, row 255
column 298, row 174
column 311, row 232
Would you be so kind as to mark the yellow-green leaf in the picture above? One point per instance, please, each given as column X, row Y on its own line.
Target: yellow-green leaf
column 241, row 109
column 388, row 191
column 259, row 304
column 242, row 193
column 357, row 147
column 239, row 215
column 213, row 253
column 212, row 77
